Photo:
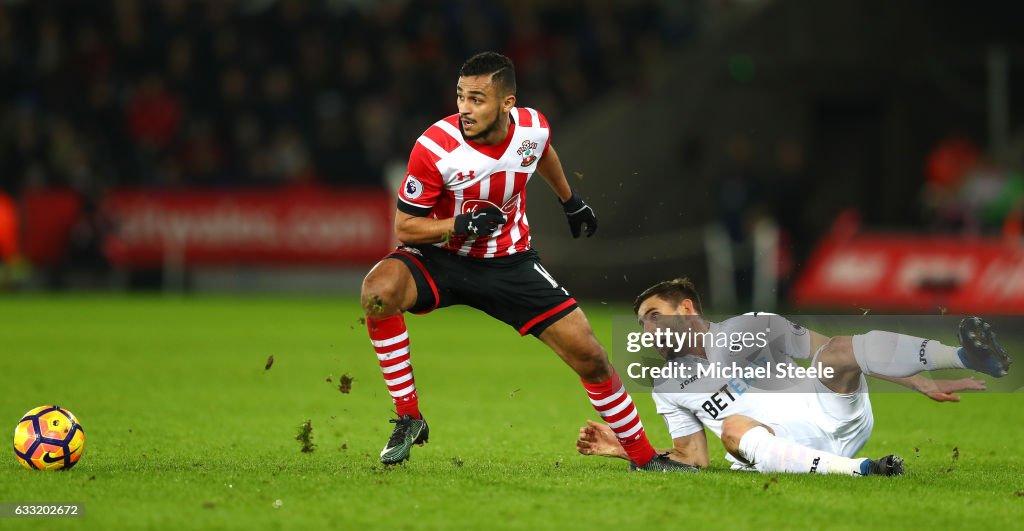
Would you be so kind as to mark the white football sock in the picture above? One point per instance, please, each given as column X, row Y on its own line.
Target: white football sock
column 900, row 355
column 769, row 453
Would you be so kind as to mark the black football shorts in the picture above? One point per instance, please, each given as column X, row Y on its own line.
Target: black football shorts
column 514, row 289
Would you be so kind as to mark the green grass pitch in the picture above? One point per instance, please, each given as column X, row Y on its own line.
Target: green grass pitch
column 186, row 429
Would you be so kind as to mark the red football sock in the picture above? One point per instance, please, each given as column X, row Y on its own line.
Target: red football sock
column 616, row 408
column 391, row 342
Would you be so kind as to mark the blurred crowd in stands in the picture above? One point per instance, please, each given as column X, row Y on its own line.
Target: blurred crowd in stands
column 968, row 191
column 169, row 93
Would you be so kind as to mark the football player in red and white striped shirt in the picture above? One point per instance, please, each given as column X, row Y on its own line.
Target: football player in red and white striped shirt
column 462, row 219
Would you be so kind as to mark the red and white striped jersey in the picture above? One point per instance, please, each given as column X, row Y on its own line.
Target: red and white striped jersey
column 449, row 175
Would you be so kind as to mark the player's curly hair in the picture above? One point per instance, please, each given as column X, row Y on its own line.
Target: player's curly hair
column 673, row 291
column 501, row 69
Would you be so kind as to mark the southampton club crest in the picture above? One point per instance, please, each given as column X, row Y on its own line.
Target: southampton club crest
column 528, row 151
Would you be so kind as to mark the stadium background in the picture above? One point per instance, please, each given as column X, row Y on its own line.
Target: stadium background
column 723, row 140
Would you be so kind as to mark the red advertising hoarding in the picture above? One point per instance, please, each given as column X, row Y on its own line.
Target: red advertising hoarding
column 264, row 226
column 49, row 216
column 927, row 274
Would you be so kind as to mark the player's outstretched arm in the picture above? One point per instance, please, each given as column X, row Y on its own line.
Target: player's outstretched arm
column 598, row 439
column 691, row 449
column 937, row 390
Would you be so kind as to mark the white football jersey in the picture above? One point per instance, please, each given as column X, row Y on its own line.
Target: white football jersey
column 689, row 404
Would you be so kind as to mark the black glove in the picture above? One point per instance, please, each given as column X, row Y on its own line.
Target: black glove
column 480, row 222
column 579, row 214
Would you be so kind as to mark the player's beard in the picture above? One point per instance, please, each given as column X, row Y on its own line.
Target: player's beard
column 485, row 132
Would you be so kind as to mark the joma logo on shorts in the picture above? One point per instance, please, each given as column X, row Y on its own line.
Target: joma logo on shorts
column 814, row 464
column 920, row 353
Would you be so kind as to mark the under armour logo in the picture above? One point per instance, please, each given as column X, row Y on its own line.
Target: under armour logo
column 459, row 177
column 472, row 227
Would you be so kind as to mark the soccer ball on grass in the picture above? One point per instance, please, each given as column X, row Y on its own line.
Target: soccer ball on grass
column 48, row 438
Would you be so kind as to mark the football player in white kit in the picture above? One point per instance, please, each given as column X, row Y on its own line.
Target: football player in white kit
column 805, row 425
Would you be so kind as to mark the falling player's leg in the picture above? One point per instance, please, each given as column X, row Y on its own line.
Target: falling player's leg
column 900, row 355
column 979, row 349
column 573, row 340
column 387, row 291
column 757, row 444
